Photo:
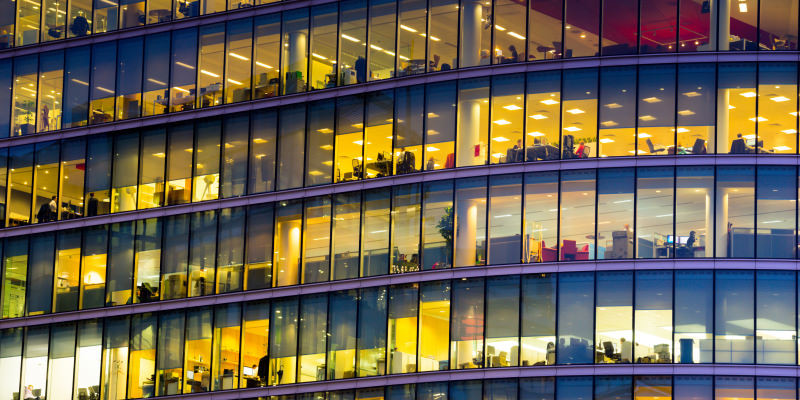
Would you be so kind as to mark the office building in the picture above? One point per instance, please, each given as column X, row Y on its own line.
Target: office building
column 399, row 199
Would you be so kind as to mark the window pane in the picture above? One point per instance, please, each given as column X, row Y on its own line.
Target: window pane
column 88, row 357
column 408, row 113
column 614, row 317
column 726, row 387
column 345, row 242
column 115, row 358
column 147, row 260
column 313, row 338
column 502, row 321
column 156, row 72
column 619, row 27
column 73, row 170
column 775, row 203
column 577, row 215
column 267, row 50
column 283, row 342
column 402, row 328
column 175, row 256
column 653, row 316
column 736, row 108
column 378, row 134
column 93, row 271
column 141, row 380
column 505, row 219
column 67, row 271
column 442, row 37
column 197, row 363
column 617, row 111
column 294, row 61
column 21, row 182
column 540, row 388
column 405, row 228
column 316, row 244
column 28, row 17
column 434, row 326
column 545, row 19
column 211, row 59
column 24, row 111
column 353, row 31
column 15, row 276
column 255, row 331
column 42, row 251
column 129, row 78
column 775, row 301
column 697, row 105
column 179, row 164
column 237, row 65
column 202, row 253
column 372, row 332
column 473, row 122
column 288, row 221
column 34, row 363
column 778, row 30
column 103, row 83
column 382, row 38
column 123, row 183
column 206, row 160
column 575, row 318
column 615, row 199
column 342, row 333
column 62, row 362
column 581, row 33
column 184, row 69
column 412, row 18
column 120, row 264
column 735, row 213
column 733, row 317
column 507, row 119
column 324, row 21
column 6, row 85
column 437, row 225
column 46, row 182
column 475, row 35
column 230, row 252
column 775, row 388
column 538, row 320
column 574, row 387
column 105, row 16
column 440, row 133
column 541, row 217
column 151, row 168
column 777, row 108
column 656, row 111
column 51, row 82
column 258, row 267
column 262, row 151
column 694, row 194
column 10, row 359
column 290, row 147
column 658, row 20
column 349, row 146
column 693, row 387
column 694, row 313
column 654, row 216
column 579, row 113
column 376, row 212
column 470, row 222
column 170, row 354
column 76, row 89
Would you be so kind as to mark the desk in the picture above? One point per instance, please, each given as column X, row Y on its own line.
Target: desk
column 381, row 168
column 541, row 152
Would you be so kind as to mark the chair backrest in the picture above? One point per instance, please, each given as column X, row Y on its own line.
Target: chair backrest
column 650, row 145
column 699, row 146
column 737, row 146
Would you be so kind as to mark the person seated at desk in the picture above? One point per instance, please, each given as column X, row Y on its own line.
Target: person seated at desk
column 738, row 146
column 580, row 152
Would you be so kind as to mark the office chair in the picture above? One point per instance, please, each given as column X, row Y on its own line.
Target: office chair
column 608, row 349
column 569, row 147
column 738, row 146
column 652, row 147
column 356, row 169
column 699, row 146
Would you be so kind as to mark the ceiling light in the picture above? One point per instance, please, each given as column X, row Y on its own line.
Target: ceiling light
column 789, row 131
column 781, row 148
column 647, row 118
column 779, row 99
column 748, row 94
column 572, row 129
column 501, row 139
column 759, row 119
column 512, row 107
column 536, row 134
column 651, row 100
column 644, row 135
column 609, row 123
column 606, row 140
column 502, row 122
column 614, row 105
column 549, row 102
column 685, row 112
column 692, row 94
column 516, row 35
column 407, row 28
column 743, row 7
column 576, row 111
column 350, row 38
column 538, row 116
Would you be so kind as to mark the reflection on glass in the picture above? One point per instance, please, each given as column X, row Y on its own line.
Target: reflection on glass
column 93, row 270
column 502, row 321
column 142, row 361
column 313, row 338
column 615, row 193
column 115, row 358
column 575, row 318
column 402, row 329
column 405, row 228
column 168, row 377
column 538, row 308
column 434, row 326
column 614, row 317
column 255, row 331
column 147, row 260
column 694, row 317
column 577, row 225
column 653, row 317
column 283, row 343
column 316, row 240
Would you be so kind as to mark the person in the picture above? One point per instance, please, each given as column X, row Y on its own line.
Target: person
column 53, row 209
column 263, row 369
column 45, row 118
column 43, row 215
column 431, row 164
column 738, row 146
column 91, row 209
column 691, row 240
column 28, row 393
column 514, row 55
column 579, row 151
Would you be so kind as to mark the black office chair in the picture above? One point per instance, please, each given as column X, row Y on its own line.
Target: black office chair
column 699, row 146
column 356, row 169
column 568, row 148
column 738, row 146
column 653, row 149
column 608, row 349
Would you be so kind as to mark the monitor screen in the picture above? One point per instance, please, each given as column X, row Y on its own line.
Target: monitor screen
column 248, row 371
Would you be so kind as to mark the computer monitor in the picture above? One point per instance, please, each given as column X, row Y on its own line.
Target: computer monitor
column 680, row 239
column 248, row 371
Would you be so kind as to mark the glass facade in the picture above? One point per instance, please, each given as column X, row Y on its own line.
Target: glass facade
column 399, row 199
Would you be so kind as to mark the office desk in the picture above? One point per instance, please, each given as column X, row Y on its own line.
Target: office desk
column 381, row 168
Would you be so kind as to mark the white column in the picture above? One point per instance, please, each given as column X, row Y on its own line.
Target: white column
column 469, row 125
column 720, row 24
column 721, row 236
column 288, row 268
column 709, row 230
column 723, row 114
column 466, row 232
column 471, row 33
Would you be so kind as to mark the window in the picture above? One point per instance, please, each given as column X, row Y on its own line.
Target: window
column 129, row 78
column 20, row 181
column 51, row 82
column 294, row 60
column 408, row 114
column 617, row 110
column 40, row 285
column 775, row 202
column 123, row 182
column 346, row 221
column 342, row 317
column 469, row 235
column 197, row 350
column 263, row 140
column 575, row 318
column 312, row 337
column 258, row 246
column 577, row 226
column 475, row 34
column 775, row 308
column 147, row 260
column 615, row 210
column 316, row 240
column 614, row 317
column 694, row 317
column 283, row 342
column 502, row 321
column 372, row 332
column 440, row 133
column 179, row 164
column 15, row 277
column 434, row 326
column 694, row 215
column 288, row 221
column 473, row 122
column 376, row 213
column 353, row 37
column 255, row 331
column 656, row 111
column 736, row 111
column 88, row 356
column 155, row 98
column 697, row 105
column 45, row 189
column 184, row 69
column 23, row 114
column 206, row 160
column 144, row 331
column 442, row 35
column 119, row 282
column 324, row 20
column 382, row 39
column 467, row 325
column 579, row 113
column 540, row 243
column 76, row 88
column 239, row 45
column 349, row 139
column 653, row 316
column 777, row 108
column 10, row 359
column 73, row 170
column 230, row 252
column 508, row 118
column 581, row 35
column 654, row 215
column 735, row 212
column 115, row 349
column 211, row 61
column 169, row 374
column 437, row 225
column 402, row 328
column 538, row 319
column 101, row 107
column 378, row 119
column 202, row 253
column 152, row 160
column 658, row 28
column 266, row 65
column 61, row 365
column 67, row 271
column 413, row 24
column 290, row 147
column 93, row 271
column 405, row 228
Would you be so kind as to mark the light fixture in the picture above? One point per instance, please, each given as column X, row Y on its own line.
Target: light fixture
column 538, row 116
column 647, row 118
column 651, row 100
column 501, row 139
column 572, row 129
column 685, row 112
column 549, row 102
column 614, row 105
column 512, row 107
column 779, row 99
column 606, row 140
column 576, row 111
column 748, row 94
column 502, row 122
